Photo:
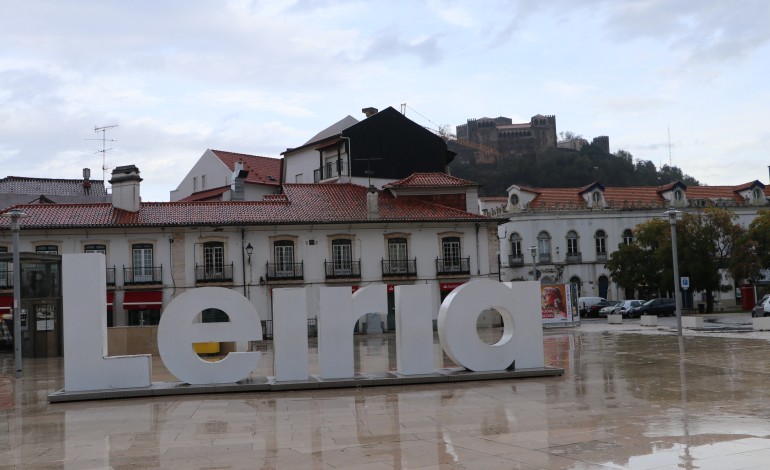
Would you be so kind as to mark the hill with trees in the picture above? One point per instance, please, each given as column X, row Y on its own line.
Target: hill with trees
column 559, row 168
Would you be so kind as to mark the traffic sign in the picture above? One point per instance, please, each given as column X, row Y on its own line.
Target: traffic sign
column 684, row 282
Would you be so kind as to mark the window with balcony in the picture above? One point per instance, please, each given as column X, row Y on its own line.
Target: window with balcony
column 284, row 266
column 342, row 258
column 101, row 248
column 601, row 245
column 573, row 248
column 516, row 257
column 544, row 247
column 6, row 273
column 142, row 271
column 398, row 262
column 452, row 261
column 213, row 268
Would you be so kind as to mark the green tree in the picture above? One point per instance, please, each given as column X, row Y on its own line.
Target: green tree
column 752, row 251
column 641, row 266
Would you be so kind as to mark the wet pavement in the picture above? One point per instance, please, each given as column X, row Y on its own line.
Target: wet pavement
column 630, row 397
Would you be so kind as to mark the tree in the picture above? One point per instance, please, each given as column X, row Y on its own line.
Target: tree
column 752, row 251
column 640, row 266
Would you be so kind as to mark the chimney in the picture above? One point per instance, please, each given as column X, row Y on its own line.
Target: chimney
column 372, row 208
column 237, row 183
column 125, row 188
column 86, row 180
column 369, row 112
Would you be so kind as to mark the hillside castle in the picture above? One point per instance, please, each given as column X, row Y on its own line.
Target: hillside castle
column 490, row 141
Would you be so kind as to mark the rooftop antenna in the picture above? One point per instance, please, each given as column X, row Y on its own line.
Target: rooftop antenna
column 368, row 171
column 104, row 149
column 669, row 145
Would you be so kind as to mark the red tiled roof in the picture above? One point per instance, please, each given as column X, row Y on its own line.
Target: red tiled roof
column 207, row 195
column 301, row 203
column 430, row 180
column 262, row 170
column 628, row 197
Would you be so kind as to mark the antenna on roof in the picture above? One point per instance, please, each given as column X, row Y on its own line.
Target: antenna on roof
column 368, row 171
column 104, row 149
column 669, row 145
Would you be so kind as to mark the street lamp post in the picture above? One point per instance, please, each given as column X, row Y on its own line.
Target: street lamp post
column 672, row 213
column 15, row 215
column 533, row 252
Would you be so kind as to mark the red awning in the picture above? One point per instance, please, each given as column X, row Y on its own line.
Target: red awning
column 110, row 299
column 143, row 300
column 6, row 302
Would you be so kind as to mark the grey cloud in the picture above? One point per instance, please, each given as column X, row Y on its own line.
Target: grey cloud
column 386, row 46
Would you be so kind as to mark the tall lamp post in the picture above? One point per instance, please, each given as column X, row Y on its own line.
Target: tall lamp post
column 533, row 252
column 15, row 215
column 672, row 213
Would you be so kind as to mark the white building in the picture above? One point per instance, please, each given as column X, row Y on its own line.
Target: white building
column 573, row 231
column 229, row 176
column 309, row 235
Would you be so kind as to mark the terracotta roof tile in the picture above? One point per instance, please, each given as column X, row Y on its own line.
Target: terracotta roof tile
column 430, row 180
column 300, row 203
column 48, row 187
column 262, row 170
column 207, row 195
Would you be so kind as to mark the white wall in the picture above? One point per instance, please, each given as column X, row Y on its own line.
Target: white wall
column 217, row 175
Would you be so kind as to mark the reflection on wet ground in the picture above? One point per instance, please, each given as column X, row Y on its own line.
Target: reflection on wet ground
column 625, row 401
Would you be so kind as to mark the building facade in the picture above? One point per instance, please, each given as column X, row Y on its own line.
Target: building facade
column 573, row 231
column 309, row 235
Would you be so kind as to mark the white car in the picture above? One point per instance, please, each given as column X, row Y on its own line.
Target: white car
column 621, row 307
column 762, row 309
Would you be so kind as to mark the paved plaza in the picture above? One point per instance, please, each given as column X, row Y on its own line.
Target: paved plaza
column 630, row 397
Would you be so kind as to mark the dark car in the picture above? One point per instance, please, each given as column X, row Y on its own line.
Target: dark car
column 593, row 310
column 659, row 307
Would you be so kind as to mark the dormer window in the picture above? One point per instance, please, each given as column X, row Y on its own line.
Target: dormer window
column 597, row 197
column 757, row 194
column 678, row 195
column 514, row 199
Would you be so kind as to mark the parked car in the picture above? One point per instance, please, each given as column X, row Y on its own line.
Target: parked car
column 593, row 310
column 622, row 307
column 762, row 309
column 584, row 303
column 659, row 307
column 609, row 309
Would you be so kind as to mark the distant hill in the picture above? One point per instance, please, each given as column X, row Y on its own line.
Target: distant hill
column 560, row 168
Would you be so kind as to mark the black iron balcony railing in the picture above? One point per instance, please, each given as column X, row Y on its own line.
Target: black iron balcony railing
column 574, row 258
column 111, row 276
column 143, row 275
column 515, row 260
column 453, row 266
column 331, row 170
column 342, row 269
column 222, row 273
column 601, row 256
column 284, row 272
column 6, row 278
column 399, row 267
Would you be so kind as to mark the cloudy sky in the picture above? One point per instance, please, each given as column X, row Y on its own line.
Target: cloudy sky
column 178, row 77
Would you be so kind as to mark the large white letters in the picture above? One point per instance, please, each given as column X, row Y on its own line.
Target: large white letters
column 86, row 365
column 177, row 332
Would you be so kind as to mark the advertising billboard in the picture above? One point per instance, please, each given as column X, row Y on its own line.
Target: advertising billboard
column 557, row 303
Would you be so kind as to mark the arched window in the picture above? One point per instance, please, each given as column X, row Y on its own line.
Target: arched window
column 575, row 281
column 628, row 236
column 678, row 195
column 757, row 194
column 516, row 245
column 572, row 243
column 544, row 246
column 601, row 243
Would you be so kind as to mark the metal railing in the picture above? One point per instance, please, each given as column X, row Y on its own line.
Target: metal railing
column 342, row 269
column 223, row 273
column 574, row 258
column 143, row 275
column 284, row 272
column 399, row 267
column 453, row 266
column 111, row 276
column 331, row 170
column 514, row 260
